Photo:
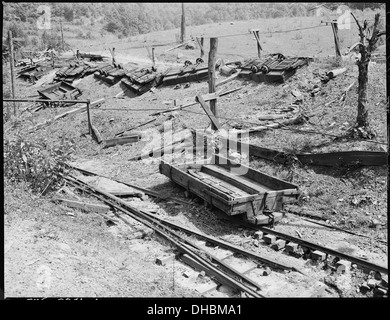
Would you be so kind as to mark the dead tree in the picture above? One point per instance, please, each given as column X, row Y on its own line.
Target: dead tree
column 369, row 37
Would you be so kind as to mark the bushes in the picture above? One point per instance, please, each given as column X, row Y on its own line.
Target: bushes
column 38, row 165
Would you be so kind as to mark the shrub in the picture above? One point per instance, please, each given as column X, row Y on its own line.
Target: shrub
column 38, row 165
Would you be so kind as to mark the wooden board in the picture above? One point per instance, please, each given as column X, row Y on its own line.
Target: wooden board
column 84, row 206
column 339, row 159
column 122, row 140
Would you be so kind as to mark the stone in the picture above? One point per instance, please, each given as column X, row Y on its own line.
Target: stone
column 342, row 266
column 371, row 283
column 318, row 255
column 164, row 260
column 292, row 247
column 269, row 238
column 258, row 234
column 267, row 271
column 279, row 244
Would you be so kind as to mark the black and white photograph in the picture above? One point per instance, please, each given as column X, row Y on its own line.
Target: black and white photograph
column 199, row 150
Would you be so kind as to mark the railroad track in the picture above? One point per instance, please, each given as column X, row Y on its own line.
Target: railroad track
column 220, row 259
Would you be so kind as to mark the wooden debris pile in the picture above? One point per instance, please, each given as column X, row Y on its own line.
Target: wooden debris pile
column 188, row 73
column 110, row 73
column 142, row 80
column 74, row 71
column 272, row 68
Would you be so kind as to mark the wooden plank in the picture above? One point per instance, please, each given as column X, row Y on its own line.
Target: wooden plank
column 253, row 150
column 135, row 127
column 96, row 134
column 84, row 206
column 122, row 140
column 209, row 113
column 338, row 159
column 236, row 180
column 266, row 180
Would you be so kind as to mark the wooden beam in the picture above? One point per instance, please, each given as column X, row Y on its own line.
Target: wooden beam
column 135, row 127
column 122, row 140
column 200, row 43
column 96, row 134
column 101, row 208
column 211, row 65
column 336, row 38
column 211, row 115
column 257, row 37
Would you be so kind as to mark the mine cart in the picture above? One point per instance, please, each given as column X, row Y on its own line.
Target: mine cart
column 234, row 188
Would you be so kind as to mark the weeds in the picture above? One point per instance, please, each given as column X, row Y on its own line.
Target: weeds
column 38, row 165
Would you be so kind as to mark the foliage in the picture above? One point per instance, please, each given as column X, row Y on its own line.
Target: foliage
column 38, row 165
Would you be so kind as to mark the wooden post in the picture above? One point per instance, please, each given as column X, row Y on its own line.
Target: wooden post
column 183, row 24
column 11, row 60
column 89, row 119
column 200, row 43
column 212, row 55
column 336, row 39
column 153, row 58
column 62, row 37
column 257, row 36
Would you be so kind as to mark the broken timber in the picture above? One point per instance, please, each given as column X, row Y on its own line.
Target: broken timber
column 84, row 206
column 96, row 134
column 135, row 127
column 122, row 140
column 331, row 159
column 206, row 109
column 67, row 113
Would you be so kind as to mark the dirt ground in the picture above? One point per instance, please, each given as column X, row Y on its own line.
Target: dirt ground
column 53, row 251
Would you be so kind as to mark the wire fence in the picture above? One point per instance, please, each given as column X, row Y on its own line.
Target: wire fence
column 244, row 122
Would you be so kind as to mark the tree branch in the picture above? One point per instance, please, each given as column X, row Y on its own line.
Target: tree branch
column 360, row 28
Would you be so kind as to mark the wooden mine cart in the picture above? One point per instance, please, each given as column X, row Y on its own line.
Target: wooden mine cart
column 234, row 188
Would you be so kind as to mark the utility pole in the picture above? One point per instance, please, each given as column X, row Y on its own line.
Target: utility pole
column 211, row 65
column 11, row 60
column 183, row 24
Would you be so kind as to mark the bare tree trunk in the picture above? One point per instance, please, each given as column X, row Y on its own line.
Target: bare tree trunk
column 369, row 37
column 362, row 116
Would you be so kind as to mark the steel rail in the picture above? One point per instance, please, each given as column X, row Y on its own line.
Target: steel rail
column 152, row 223
column 45, row 100
column 311, row 245
column 230, row 246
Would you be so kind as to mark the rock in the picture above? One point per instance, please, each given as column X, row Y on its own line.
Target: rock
column 371, row 283
column 267, row 271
